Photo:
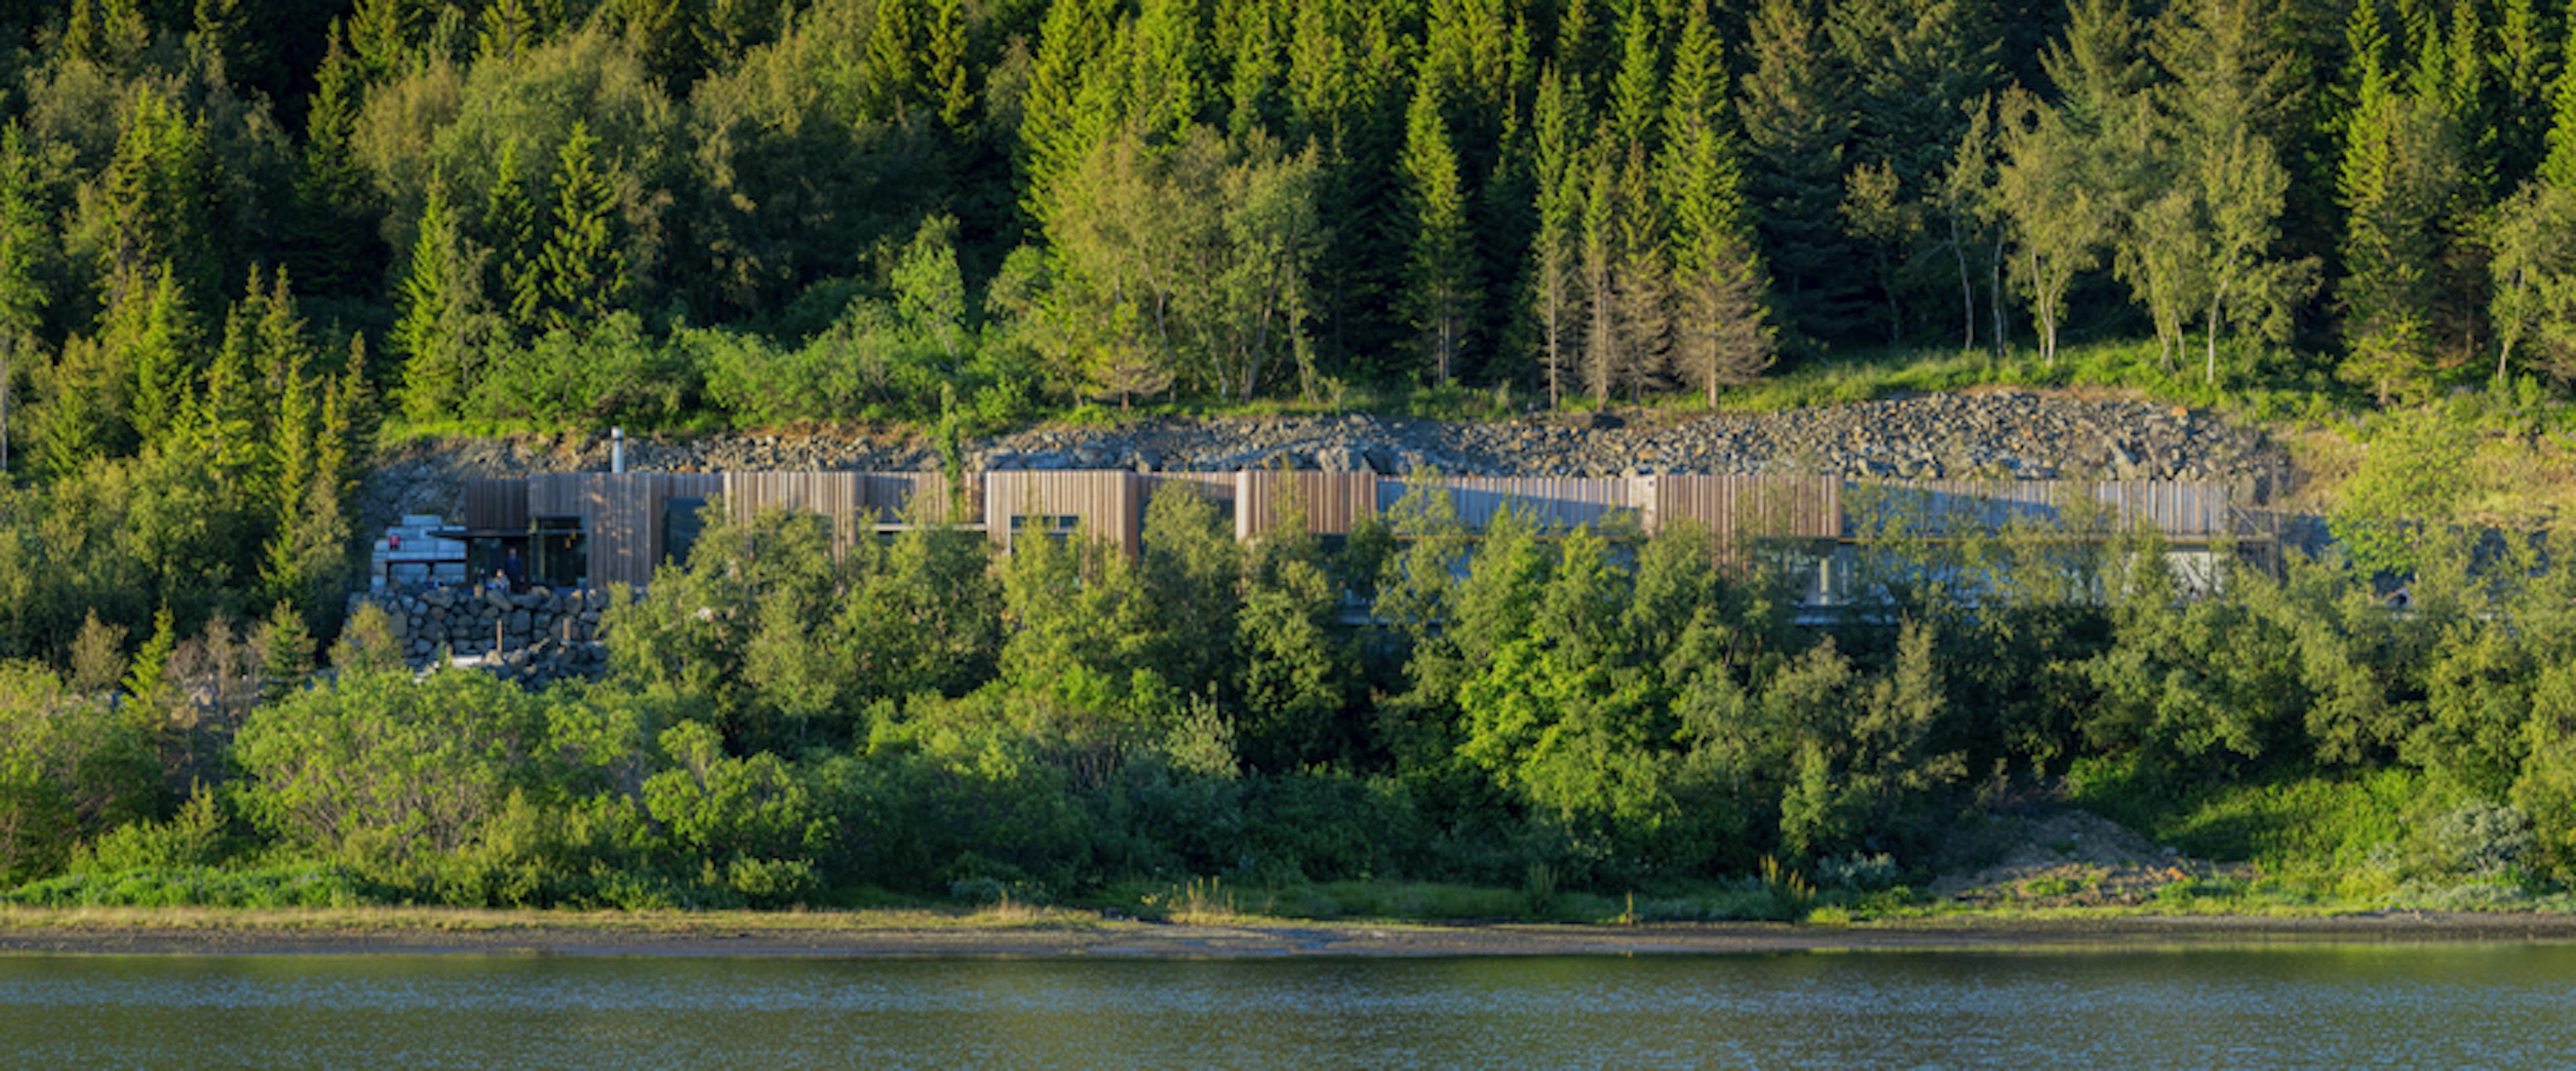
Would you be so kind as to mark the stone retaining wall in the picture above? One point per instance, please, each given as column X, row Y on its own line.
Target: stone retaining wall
column 534, row 637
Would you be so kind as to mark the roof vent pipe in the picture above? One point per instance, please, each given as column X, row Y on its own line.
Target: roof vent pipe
column 616, row 449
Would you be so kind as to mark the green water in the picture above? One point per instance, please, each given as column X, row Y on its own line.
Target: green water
column 2306, row 1006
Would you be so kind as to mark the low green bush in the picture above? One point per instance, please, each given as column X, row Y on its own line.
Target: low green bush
column 288, row 886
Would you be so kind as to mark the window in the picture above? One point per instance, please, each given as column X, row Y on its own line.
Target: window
column 1055, row 526
column 562, row 558
column 681, row 524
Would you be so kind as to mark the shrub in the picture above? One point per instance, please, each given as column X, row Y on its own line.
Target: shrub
column 70, row 767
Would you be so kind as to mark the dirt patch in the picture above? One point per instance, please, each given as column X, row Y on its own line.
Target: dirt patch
column 2055, row 856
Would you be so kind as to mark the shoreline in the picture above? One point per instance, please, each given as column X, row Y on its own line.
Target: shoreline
column 882, row 935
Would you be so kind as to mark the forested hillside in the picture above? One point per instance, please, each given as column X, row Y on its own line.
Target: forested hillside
column 756, row 210
column 238, row 238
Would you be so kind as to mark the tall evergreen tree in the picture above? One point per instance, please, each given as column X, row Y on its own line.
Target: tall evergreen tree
column 1167, row 84
column 432, row 338
column 583, row 265
column 1556, row 251
column 950, row 86
column 505, row 30
column 1061, row 118
column 150, row 332
column 1717, row 276
column 1441, row 267
column 1605, row 363
column 1796, row 123
column 237, row 402
column 2558, row 160
column 2524, row 58
column 895, row 48
column 511, row 231
column 2397, row 177
column 159, row 202
column 24, row 242
column 333, row 245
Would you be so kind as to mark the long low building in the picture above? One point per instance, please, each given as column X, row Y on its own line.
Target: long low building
column 599, row 528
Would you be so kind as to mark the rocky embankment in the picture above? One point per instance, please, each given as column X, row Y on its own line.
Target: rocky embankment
column 1987, row 434
column 534, row 638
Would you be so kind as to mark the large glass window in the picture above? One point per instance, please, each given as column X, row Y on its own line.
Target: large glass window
column 681, row 524
column 562, row 555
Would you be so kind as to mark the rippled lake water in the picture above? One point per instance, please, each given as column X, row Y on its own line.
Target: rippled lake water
column 2275, row 1006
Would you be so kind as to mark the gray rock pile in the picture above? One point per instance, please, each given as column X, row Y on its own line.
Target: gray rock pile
column 533, row 638
column 1995, row 435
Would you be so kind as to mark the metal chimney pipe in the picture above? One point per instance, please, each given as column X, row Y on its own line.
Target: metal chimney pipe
column 616, row 449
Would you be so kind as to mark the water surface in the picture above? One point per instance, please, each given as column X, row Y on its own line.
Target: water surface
column 2275, row 1006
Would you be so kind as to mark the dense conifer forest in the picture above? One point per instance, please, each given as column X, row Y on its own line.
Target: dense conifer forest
column 238, row 240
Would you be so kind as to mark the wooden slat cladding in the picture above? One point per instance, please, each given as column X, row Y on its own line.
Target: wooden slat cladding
column 836, row 496
column 1334, row 501
column 1108, row 505
column 622, row 513
column 496, row 505
column 890, row 497
column 1549, row 502
column 1770, row 507
column 2178, row 509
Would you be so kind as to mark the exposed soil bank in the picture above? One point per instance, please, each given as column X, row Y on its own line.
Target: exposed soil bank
column 856, row 936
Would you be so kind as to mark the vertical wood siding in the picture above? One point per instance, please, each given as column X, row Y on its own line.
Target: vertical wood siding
column 496, row 505
column 1731, row 507
column 1334, row 501
column 1108, row 503
column 2192, row 510
column 621, row 515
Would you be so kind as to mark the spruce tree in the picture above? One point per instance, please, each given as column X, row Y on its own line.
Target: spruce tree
column 159, row 202
column 1717, row 280
column 584, row 269
column 2558, row 161
column 333, row 245
column 1636, row 93
column 1441, row 265
column 505, row 30
column 2396, row 177
column 151, row 333
column 438, row 359
column 1165, row 85
column 2524, row 58
column 1556, row 250
column 285, row 653
column 1795, row 117
column 895, row 46
column 1257, row 78
column 1061, row 122
column 25, row 240
column 510, row 230
column 147, row 677
column 1602, row 356
column 288, row 360
column 381, row 36
column 236, row 403
column 950, row 86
